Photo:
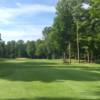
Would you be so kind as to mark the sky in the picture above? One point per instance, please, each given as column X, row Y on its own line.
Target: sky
column 25, row 19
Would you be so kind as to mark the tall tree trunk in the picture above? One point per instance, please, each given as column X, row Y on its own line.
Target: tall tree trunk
column 91, row 57
column 75, row 57
column 85, row 57
column 53, row 56
column 88, row 57
column 64, row 57
column 69, row 52
column 78, row 50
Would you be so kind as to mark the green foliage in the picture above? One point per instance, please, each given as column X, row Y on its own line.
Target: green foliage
column 76, row 28
column 41, row 49
column 30, row 49
column 2, row 49
column 20, row 47
column 11, row 49
column 75, row 34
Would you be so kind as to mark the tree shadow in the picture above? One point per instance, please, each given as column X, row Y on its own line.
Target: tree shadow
column 46, row 72
column 48, row 98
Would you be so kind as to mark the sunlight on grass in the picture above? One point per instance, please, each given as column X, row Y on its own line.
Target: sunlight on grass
column 27, row 79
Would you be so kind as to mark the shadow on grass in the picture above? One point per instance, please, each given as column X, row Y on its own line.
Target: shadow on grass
column 43, row 98
column 47, row 72
column 22, row 64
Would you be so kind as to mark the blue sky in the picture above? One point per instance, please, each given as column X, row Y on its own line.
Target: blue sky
column 25, row 19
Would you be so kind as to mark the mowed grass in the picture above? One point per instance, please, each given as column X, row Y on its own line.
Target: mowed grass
column 27, row 79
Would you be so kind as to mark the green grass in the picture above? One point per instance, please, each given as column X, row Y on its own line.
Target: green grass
column 27, row 79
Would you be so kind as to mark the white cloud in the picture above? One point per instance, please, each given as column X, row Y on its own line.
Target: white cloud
column 19, row 35
column 23, row 32
column 17, row 31
column 6, row 14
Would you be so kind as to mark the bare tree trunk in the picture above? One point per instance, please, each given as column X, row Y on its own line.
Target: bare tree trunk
column 69, row 52
column 84, row 57
column 64, row 57
column 75, row 57
column 88, row 57
column 91, row 57
column 53, row 56
column 78, row 51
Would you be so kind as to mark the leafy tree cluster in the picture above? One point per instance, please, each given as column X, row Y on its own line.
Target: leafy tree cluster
column 75, row 34
column 21, row 49
column 13, row 49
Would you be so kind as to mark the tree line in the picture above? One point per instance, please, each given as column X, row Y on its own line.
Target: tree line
column 75, row 34
column 30, row 49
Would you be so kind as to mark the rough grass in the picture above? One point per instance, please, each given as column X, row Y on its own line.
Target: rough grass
column 27, row 79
